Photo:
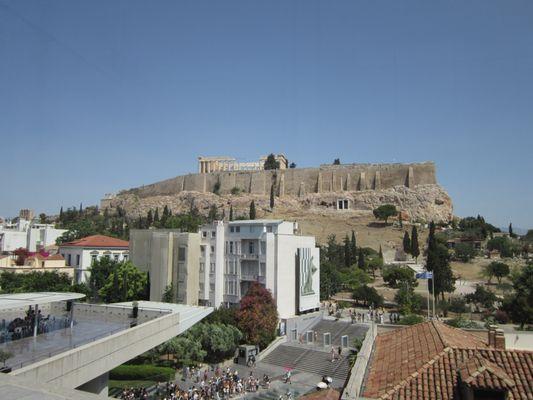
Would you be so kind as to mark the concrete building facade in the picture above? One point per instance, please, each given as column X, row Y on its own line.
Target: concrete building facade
column 172, row 260
column 217, row 266
column 270, row 252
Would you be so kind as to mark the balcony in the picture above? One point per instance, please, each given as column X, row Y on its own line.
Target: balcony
column 248, row 256
column 253, row 278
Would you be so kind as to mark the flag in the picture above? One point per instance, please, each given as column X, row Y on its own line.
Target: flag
column 425, row 275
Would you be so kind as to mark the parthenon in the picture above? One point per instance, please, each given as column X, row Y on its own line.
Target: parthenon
column 217, row 164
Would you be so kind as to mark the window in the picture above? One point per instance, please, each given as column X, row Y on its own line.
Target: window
column 202, row 267
column 237, row 229
column 181, row 253
column 251, row 247
column 269, row 228
column 263, row 247
column 69, row 260
column 231, row 247
column 212, row 249
column 77, row 259
column 202, row 251
column 214, row 234
column 204, row 234
column 212, row 287
column 212, row 268
column 125, row 257
column 232, row 229
column 116, row 256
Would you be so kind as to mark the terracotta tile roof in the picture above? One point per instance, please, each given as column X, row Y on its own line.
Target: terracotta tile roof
column 97, row 241
column 431, row 360
column 55, row 257
column 327, row 394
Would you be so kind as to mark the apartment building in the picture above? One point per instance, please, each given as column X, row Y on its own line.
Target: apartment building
column 235, row 254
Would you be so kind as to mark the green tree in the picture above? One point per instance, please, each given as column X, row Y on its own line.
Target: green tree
column 337, row 161
column 503, row 245
column 252, row 210
column 131, row 284
column 330, row 280
column 385, row 211
column 408, row 301
column 481, row 298
column 100, row 271
column 353, row 249
column 511, row 233
column 496, row 269
column 149, row 218
column 156, row 216
column 257, row 317
column 231, row 212
column 373, row 264
column 4, row 356
column 272, row 195
column 219, row 341
column 361, row 259
column 347, row 252
column 168, row 295
column 292, row 165
column 42, row 218
column 368, row 296
column 438, row 261
column 271, row 162
column 415, row 247
column 401, row 276
column 519, row 305
column 213, row 213
column 464, row 252
column 406, row 243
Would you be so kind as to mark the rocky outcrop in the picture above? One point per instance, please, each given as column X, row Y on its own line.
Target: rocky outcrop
column 419, row 203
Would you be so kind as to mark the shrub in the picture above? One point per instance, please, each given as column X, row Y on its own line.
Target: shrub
column 501, row 317
column 411, row 319
column 457, row 305
column 461, row 322
column 142, row 372
column 235, row 190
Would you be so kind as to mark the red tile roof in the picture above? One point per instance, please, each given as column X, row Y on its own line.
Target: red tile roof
column 97, row 241
column 55, row 257
column 430, row 360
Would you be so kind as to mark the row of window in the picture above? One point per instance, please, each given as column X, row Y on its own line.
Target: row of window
column 94, row 258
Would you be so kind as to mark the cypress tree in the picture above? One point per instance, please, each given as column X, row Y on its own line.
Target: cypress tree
column 347, row 252
column 353, row 249
column 252, row 210
column 361, row 259
column 511, row 234
column 149, row 218
column 415, row 248
column 380, row 252
column 231, row 212
column 81, row 209
column 272, row 196
column 213, row 213
column 156, row 215
column 61, row 216
column 406, row 243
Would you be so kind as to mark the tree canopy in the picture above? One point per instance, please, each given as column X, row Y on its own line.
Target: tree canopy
column 271, row 162
column 385, row 211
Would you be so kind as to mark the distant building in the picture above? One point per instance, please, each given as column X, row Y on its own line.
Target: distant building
column 26, row 214
column 36, row 263
column 216, row 164
column 81, row 253
column 31, row 236
column 172, row 258
column 217, row 266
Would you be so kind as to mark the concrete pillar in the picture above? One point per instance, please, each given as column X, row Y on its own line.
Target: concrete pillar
column 97, row 385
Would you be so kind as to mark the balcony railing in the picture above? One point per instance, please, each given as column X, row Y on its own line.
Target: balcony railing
column 253, row 278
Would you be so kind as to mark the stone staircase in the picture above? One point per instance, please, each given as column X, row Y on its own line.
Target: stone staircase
column 309, row 360
column 337, row 330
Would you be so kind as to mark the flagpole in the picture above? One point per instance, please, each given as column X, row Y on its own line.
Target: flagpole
column 433, row 285
column 427, row 286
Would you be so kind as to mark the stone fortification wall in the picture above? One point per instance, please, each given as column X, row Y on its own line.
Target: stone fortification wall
column 296, row 182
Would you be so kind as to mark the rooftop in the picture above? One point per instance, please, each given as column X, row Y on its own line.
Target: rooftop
column 430, row 360
column 98, row 241
column 258, row 222
column 17, row 300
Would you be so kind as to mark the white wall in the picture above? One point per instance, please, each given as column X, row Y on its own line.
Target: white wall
column 10, row 240
column 81, row 268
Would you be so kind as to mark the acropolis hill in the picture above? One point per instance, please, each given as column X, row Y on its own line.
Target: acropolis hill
column 331, row 191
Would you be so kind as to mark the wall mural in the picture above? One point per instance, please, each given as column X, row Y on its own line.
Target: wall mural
column 307, row 270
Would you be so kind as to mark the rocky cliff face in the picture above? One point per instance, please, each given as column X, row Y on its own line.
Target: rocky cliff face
column 420, row 203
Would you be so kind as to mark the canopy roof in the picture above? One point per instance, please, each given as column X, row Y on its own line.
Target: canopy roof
column 15, row 300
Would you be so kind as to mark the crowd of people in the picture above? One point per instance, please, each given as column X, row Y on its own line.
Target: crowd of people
column 206, row 385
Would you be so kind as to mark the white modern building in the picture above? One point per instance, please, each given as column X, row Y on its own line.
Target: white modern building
column 81, row 253
column 31, row 236
column 235, row 254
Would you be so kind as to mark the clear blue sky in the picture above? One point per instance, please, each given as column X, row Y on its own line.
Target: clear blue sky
column 97, row 96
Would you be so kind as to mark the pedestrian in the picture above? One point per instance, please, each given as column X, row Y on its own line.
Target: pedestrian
column 339, row 350
column 332, row 354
